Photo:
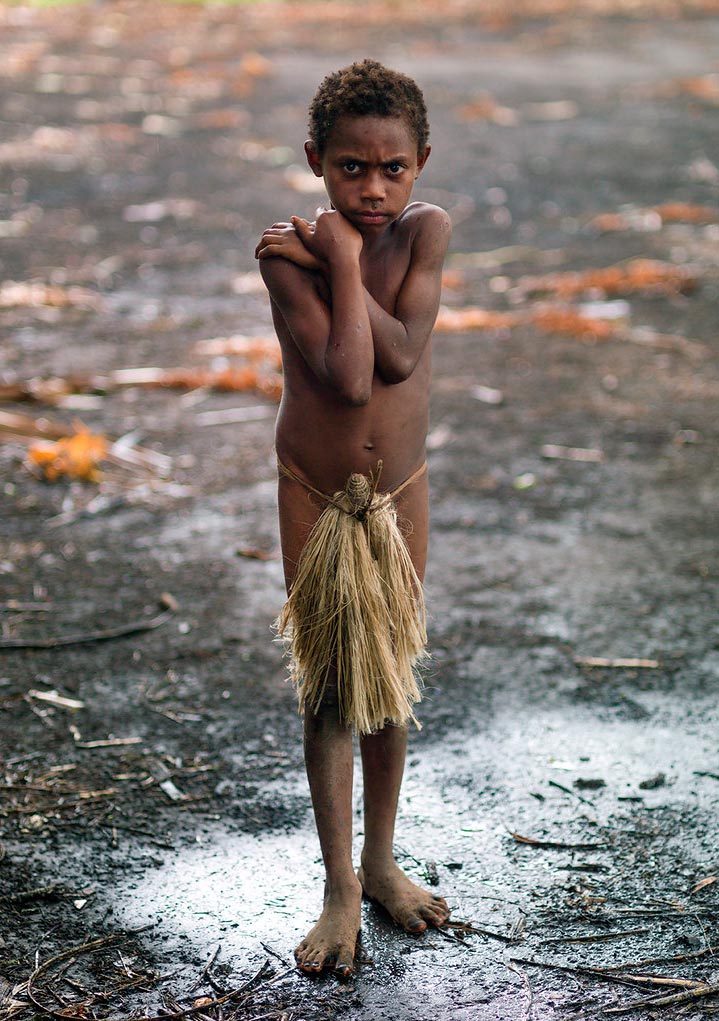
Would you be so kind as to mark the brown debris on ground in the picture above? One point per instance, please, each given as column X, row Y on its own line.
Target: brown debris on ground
column 564, row 788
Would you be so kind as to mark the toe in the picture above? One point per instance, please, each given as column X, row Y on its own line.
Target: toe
column 414, row 924
column 441, row 908
column 437, row 912
column 433, row 916
column 307, row 959
column 344, row 965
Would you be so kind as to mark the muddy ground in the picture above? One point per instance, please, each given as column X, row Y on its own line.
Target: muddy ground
column 161, row 786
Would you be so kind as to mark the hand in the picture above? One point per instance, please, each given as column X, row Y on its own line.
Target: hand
column 330, row 237
column 282, row 240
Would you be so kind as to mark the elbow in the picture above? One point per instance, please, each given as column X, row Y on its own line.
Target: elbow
column 397, row 371
column 356, row 396
column 352, row 384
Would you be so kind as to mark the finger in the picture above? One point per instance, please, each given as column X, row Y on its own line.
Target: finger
column 302, row 227
column 269, row 251
column 262, row 246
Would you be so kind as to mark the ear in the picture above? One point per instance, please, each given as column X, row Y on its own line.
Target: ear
column 422, row 158
column 313, row 158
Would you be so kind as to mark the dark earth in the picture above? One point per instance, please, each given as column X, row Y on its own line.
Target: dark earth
column 153, row 795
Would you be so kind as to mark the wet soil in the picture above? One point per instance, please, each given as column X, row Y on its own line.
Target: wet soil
column 567, row 810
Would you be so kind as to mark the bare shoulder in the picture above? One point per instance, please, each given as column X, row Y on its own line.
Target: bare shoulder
column 281, row 275
column 427, row 226
column 425, row 213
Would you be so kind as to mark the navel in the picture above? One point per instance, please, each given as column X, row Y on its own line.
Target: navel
column 369, row 446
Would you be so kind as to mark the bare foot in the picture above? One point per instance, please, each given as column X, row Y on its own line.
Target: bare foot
column 411, row 907
column 331, row 942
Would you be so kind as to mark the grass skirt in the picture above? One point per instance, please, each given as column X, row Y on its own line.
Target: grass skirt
column 355, row 611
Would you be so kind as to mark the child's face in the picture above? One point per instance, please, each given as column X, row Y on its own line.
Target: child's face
column 369, row 167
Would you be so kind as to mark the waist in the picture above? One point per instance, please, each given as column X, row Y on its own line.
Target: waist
column 327, row 456
column 361, row 494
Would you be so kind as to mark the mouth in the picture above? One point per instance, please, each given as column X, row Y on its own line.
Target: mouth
column 370, row 217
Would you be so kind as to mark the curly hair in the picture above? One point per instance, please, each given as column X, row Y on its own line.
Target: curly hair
column 367, row 88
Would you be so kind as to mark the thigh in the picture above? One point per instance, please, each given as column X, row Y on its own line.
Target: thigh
column 413, row 518
column 298, row 512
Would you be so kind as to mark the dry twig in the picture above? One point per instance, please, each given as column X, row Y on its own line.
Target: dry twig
column 558, row 844
column 96, row 636
column 689, row 996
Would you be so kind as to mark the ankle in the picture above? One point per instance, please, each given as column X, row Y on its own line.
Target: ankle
column 377, row 861
column 343, row 887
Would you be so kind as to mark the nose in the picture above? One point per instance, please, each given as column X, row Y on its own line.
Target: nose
column 373, row 190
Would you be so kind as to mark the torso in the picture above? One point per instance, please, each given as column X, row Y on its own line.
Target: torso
column 325, row 439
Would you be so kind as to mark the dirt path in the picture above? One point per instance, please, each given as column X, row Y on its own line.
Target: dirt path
column 564, row 791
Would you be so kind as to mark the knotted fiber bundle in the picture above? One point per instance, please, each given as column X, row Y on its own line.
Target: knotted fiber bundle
column 356, row 605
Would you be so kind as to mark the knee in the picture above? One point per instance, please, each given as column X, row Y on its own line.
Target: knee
column 327, row 714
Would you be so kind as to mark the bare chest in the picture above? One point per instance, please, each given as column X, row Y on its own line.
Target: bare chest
column 383, row 272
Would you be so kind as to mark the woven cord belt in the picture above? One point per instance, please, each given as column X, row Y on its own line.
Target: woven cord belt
column 361, row 512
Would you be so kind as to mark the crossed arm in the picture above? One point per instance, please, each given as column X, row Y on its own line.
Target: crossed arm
column 345, row 340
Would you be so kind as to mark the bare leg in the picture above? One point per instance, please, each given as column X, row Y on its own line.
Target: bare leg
column 383, row 756
column 329, row 761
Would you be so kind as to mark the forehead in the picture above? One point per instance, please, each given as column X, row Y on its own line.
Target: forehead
column 372, row 136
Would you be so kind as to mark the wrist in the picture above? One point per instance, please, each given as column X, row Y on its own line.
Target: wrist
column 343, row 261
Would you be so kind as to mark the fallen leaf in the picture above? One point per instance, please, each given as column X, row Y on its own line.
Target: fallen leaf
column 704, row 882
column 637, row 275
column 256, row 554
column 80, row 1010
column 453, row 279
column 704, row 87
column 652, row 218
column 572, row 323
column 457, row 320
column 77, row 457
column 260, row 348
column 486, row 108
column 15, row 294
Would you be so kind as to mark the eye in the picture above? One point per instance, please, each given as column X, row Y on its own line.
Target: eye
column 395, row 167
column 351, row 167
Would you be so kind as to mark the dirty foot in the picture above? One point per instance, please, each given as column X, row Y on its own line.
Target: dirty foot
column 411, row 907
column 330, row 944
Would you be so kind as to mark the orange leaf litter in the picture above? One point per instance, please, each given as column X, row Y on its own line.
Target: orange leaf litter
column 77, row 457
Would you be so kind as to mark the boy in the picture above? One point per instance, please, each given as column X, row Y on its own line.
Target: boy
column 354, row 298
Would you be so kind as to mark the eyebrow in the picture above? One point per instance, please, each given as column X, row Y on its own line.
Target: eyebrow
column 350, row 157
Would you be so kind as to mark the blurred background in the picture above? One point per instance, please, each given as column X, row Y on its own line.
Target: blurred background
column 563, row 792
